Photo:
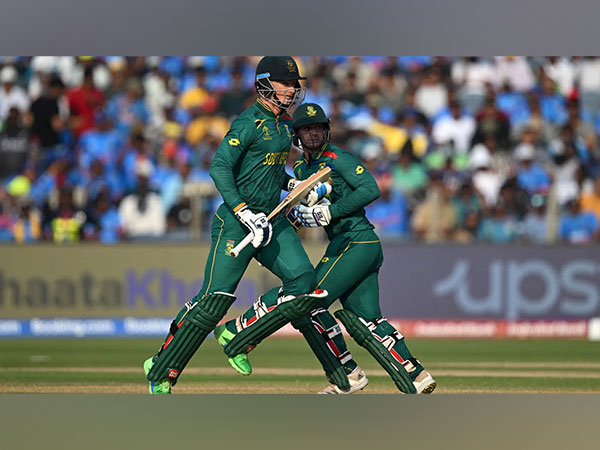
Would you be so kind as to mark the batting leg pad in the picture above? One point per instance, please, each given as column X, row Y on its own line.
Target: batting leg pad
column 321, row 343
column 288, row 308
column 185, row 338
column 362, row 332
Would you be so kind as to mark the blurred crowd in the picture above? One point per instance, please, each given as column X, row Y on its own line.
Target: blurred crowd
column 473, row 149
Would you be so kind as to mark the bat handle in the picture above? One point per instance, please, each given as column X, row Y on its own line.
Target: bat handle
column 235, row 251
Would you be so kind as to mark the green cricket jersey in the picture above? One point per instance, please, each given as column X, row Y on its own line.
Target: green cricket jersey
column 249, row 165
column 353, row 188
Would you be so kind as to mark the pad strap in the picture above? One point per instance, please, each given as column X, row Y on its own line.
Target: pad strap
column 358, row 328
column 289, row 308
column 185, row 338
column 320, row 341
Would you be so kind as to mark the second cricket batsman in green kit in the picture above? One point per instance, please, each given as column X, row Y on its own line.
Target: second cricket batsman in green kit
column 249, row 172
column 348, row 271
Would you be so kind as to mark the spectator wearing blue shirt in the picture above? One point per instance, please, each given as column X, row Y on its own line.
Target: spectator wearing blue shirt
column 102, row 142
column 530, row 176
column 534, row 227
column 514, row 104
column 578, row 227
column 552, row 105
column 104, row 224
column 128, row 108
column 499, row 228
column 389, row 213
column 138, row 150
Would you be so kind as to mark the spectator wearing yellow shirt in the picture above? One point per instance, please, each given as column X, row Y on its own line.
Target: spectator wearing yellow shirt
column 395, row 137
column 590, row 201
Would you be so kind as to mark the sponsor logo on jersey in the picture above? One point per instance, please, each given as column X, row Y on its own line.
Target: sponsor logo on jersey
column 229, row 246
column 359, row 170
column 234, row 141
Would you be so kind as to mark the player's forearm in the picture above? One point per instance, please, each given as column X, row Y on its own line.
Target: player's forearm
column 222, row 175
column 358, row 199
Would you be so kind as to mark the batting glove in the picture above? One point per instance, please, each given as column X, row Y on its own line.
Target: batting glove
column 293, row 184
column 314, row 216
column 259, row 226
column 319, row 192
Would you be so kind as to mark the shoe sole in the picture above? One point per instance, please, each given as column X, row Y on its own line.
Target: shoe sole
column 232, row 364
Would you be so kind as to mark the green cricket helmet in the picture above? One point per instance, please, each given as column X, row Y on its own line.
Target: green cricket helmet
column 278, row 68
column 310, row 114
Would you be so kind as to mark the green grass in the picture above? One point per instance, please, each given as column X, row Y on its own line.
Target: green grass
column 448, row 358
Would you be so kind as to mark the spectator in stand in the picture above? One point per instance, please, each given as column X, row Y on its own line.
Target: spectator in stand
column 514, row 104
column 578, row 227
column 434, row 219
column 128, row 108
column 566, row 172
column 540, row 131
column 48, row 123
column 468, row 231
column 472, row 75
column 492, row 121
column 500, row 227
column 102, row 142
column 64, row 224
column 99, row 178
column 389, row 213
column 589, row 87
column 236, row 98
column 103, row 221
column 408, row 175
column 83, row 103
column 142, row 214
column 535, row 227
column 466, row 201
column 458, row 127
column 552, row 104
column 11, row 95
column 514, row 71
column 514, row 198
column 486, row 181
column 590, row 200
column 530, row 176
column 432, row 95
column 396, row 136
column 14, row 145
column 562, row 71
column 27, row 227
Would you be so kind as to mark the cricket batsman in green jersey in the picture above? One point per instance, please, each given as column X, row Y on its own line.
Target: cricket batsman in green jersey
column 249, row 172
column 348, row 271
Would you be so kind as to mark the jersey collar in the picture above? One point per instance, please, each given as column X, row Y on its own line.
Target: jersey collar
column 264, row 108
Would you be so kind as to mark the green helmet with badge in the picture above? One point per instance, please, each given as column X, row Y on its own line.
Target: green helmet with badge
column 307, row 115
column 278, row 68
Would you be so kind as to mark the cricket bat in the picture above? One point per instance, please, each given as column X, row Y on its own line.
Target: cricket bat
column 291, row 200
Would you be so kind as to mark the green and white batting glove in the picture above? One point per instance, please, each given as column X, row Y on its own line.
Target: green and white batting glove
column 314, row 216
column 258, row 224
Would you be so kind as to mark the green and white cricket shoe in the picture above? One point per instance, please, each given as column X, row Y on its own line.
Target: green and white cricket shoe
column 424, row 383
column 358, row 381
column 239, row 362
column 164, row 387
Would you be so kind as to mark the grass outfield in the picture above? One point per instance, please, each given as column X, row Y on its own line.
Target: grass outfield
column 286, row 365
